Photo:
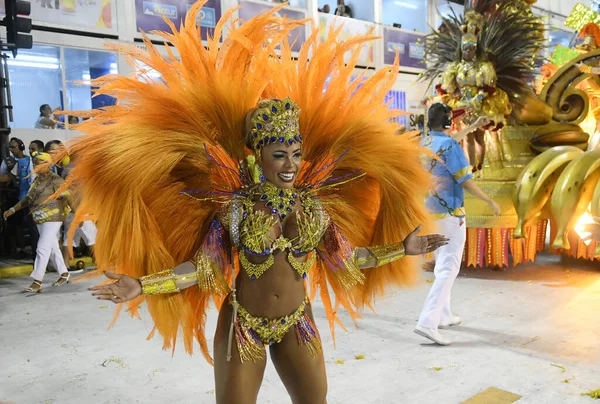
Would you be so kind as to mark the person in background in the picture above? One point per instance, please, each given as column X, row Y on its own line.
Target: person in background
column 86, row 231
column 452, row 175
column 49, row 217
column 343, row 10
column 73, row 120
column 53, row 147
column 36, row 146
column 421, row 124
column 45, row 121
column 20, row 172
column 325, row 10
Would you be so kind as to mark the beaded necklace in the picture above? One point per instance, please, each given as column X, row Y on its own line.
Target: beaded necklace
column 278, row 199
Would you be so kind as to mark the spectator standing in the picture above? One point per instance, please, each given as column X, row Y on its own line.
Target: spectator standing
column 36, row 146
column 20, row 172
column 343, row 10
column 49, row 217
column 44, row 121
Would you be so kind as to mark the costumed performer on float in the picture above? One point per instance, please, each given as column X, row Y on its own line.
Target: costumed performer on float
column 485, row 60
column 249, row 179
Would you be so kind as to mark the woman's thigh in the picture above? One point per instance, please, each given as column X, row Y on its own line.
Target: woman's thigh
column 235, row 382
column 302, row 372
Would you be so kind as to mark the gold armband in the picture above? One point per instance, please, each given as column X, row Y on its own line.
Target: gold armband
column 209, row 275
column 381, row 255
column 159, row 283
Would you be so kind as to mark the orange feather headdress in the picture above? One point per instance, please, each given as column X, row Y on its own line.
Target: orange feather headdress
column 186, row 131
column 590, row 29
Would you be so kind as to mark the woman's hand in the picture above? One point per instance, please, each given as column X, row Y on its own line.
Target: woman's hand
column 124, row 289
column 482, row 121
column 417, row 245
column 9, row 213
column 495, row 207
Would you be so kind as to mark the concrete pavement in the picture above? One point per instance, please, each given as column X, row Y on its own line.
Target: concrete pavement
column 533, row 330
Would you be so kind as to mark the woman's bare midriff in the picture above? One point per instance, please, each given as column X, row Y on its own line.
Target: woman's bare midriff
column 277, row 293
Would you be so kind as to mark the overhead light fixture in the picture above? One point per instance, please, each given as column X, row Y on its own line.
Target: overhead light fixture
column 113, row 65
column 86, row 76
column 32, row 58
column 32, row 64
column 113, row 71
column 405, row 4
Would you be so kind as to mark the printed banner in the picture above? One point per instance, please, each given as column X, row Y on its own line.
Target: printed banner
column 86, row 13
column 350, row 28
column 150, row 13
column 410, row 47
column 297, row 36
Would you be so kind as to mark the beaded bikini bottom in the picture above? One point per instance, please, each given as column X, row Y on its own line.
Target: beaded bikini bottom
column 253, row 333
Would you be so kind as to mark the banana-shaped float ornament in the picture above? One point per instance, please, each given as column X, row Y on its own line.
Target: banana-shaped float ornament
column 575, row 185
column 536, row 182
column 558, row 134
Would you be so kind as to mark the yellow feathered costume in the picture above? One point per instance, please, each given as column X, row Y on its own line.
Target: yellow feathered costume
column 186, row 131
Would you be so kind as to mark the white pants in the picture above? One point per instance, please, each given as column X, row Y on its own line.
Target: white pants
column 447, row 265
column 48, row 248
column 87, row 232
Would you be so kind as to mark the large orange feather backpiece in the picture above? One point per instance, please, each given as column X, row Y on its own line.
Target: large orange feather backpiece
column 186, row 132
column 342, row 116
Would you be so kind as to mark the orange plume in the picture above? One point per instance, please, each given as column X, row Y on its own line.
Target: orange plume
column 186, row 132
column 590, row 29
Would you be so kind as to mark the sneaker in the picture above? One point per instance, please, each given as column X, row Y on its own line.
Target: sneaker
column 75, row 270
column 433, row 335
column 452, row 321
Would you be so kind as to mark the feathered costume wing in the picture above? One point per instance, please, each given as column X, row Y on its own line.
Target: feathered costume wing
column 186, row 132
column 510, row 38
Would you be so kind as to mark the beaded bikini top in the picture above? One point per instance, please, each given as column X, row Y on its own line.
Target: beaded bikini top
column 258, row 227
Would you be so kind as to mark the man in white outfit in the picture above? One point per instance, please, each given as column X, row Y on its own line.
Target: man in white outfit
column 452, row 173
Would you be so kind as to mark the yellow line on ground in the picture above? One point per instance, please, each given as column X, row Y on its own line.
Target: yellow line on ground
column 16, row 271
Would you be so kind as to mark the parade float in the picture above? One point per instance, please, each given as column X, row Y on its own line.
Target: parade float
column 542, row 159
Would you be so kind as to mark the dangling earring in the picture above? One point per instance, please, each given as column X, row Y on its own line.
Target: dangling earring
column 261, row 177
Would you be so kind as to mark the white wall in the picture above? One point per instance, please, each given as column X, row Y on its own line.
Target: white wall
column 562, row 7
column 415, row 91
column 412, row 14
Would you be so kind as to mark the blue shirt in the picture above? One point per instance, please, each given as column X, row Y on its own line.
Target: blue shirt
column 24, row 170
column 447, row 197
